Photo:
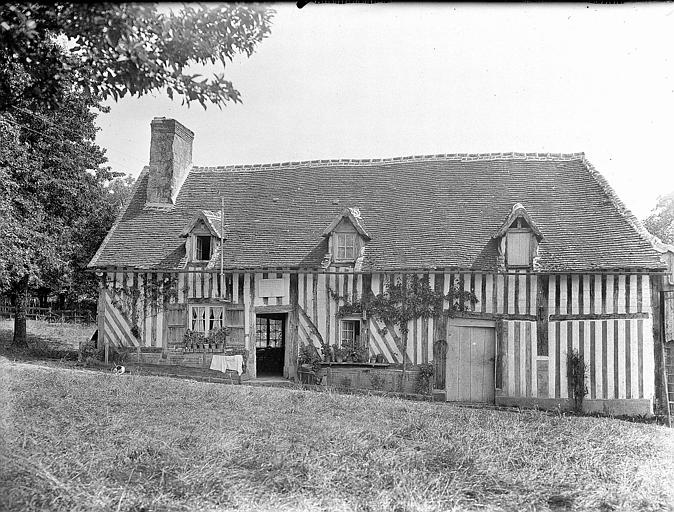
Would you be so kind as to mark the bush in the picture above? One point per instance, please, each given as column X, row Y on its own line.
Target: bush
column 89, row 352
column 309, row 357
column 424, row 379
column 576, row 372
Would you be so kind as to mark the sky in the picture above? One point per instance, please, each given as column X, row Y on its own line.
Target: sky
column 385, row 80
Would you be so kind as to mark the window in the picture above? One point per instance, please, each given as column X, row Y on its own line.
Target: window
column 205, row 319
column 203, row 248
column 518, row 247
column 346, row 246
column 350, row 333
column 268, row 332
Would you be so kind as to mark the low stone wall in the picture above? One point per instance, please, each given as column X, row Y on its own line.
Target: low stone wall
column 363, row 377
column 180, row 357
column 621, row 407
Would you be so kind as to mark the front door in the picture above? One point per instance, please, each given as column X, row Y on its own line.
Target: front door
column 470, row 364
column 270, row 343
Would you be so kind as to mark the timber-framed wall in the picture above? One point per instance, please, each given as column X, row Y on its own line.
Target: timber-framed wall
column 611, row 318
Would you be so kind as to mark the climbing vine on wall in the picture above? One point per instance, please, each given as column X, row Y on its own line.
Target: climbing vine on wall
column 155, row 291
column 406, row 299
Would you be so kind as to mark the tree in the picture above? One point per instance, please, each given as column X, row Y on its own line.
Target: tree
column 52, row 173
column 111, row 50
column 661, row 220
column 57, row 62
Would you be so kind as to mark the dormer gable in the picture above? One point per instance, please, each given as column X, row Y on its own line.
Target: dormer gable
column 347, row 237
column 203, row 235
column 518, row 239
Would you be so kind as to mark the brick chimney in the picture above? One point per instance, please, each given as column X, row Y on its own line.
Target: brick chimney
column 170, row 160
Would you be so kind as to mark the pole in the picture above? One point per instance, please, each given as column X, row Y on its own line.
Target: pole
column 222, row 246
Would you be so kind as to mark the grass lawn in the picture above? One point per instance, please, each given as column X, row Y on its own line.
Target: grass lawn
column 80, row 440
column 57, row 335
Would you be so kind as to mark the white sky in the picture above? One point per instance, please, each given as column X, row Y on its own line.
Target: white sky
column 372, row 81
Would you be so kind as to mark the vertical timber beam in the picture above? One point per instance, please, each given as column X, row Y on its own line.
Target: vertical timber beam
column 657, row 304
column 291, row 350
column 100, row 315
column 542, row 315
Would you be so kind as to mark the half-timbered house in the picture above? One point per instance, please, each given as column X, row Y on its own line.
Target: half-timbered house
column 555, row 260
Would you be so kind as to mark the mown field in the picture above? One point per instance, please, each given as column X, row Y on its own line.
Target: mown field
column 80, row 440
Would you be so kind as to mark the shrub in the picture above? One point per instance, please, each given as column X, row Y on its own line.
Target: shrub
column 309, row 356
column 576, row 372
column 89, row 352
column 424, row 379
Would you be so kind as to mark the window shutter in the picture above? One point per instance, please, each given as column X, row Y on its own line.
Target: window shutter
column 519, row 249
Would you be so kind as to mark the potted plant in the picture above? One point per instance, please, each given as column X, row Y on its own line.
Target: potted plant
column 362, row 355
column 326, row 350
column 340, row 354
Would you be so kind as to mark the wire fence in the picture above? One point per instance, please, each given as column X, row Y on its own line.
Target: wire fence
column 73, row 316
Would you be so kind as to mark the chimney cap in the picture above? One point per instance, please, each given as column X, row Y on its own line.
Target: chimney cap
column 168, row 124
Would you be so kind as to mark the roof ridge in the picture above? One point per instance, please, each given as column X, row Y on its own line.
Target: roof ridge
column 462, row 157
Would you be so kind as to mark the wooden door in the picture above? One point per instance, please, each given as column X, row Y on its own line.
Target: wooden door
column 470, row 364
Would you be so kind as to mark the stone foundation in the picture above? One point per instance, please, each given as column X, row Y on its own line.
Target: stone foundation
column 621, row 407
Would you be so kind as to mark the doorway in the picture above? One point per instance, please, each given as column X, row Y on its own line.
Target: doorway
column 270, row 342
column 471, row 353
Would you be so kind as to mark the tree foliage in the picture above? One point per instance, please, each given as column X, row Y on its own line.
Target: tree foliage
column 661, row 220
column 57, row 63
column 110, row 50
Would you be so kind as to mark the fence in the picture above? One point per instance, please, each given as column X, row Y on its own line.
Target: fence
column 51, row 315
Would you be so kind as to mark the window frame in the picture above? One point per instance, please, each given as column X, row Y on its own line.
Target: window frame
column 208, row 321
column 345, row 245
column 197, row 239
column 357, row 339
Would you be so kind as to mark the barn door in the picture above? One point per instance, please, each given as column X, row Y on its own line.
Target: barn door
column 470, row 364
column 176, row 324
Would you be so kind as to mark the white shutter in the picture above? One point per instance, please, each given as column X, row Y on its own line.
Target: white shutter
column 519, row 248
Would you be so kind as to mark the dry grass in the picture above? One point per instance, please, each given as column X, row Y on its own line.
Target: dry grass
column 77, row 440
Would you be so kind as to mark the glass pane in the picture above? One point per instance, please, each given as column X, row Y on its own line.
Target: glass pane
column 199, row 319
column 260, row 332
column 348, row 332
column 215, row 320
column 275, row 333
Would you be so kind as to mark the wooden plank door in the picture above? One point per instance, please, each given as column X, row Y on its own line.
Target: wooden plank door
column 470, row 364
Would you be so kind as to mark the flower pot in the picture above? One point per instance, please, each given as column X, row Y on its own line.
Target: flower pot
column 340, row 359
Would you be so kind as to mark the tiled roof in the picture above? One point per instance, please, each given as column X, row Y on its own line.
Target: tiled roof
column 433, row 211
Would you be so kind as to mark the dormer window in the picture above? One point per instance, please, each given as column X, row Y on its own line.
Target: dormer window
column 518, row 240
column 203, row 248
column 346, row 246
column 346, row 239
column 202, row 234
column 518, row 245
